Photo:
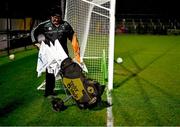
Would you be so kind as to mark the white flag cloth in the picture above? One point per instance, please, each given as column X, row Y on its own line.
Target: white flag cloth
column 50, row 58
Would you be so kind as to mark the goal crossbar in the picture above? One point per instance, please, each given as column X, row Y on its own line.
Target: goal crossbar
column 95, row 4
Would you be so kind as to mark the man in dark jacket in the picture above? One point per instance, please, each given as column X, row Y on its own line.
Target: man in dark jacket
column 50, row 30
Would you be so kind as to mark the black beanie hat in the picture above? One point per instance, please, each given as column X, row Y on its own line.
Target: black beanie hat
column 55, row 12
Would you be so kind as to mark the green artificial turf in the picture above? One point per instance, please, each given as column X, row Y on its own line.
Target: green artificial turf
column 146, row 88
column 147, row 83
column 21, row 104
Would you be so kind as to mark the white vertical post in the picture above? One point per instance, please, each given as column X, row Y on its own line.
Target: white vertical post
column 65, row 14
column 86, row 32
column 111, row 44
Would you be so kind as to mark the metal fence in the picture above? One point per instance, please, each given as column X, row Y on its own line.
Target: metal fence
column 147, row 24
column 15, row 33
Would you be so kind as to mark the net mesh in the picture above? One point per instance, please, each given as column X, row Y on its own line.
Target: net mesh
column 90, row 19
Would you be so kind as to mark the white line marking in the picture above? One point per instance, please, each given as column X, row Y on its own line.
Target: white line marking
column 109, row 110
column 42, row 85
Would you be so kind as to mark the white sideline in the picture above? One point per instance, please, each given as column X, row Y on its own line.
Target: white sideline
column 109, row 110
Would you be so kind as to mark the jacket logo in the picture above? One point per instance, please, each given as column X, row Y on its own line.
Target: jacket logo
column 50, row 28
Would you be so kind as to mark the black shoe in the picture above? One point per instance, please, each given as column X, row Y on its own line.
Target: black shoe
column 53, row 94
column 50, row 94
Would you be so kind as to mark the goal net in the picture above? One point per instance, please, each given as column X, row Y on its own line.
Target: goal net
column 93, row 20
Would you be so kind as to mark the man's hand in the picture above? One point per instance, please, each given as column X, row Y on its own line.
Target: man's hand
column 41, row 38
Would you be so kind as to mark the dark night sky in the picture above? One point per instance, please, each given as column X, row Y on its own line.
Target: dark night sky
column 37, row 7
column 170, row 7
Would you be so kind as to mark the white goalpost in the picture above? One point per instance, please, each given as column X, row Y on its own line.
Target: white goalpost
column 94, row 22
